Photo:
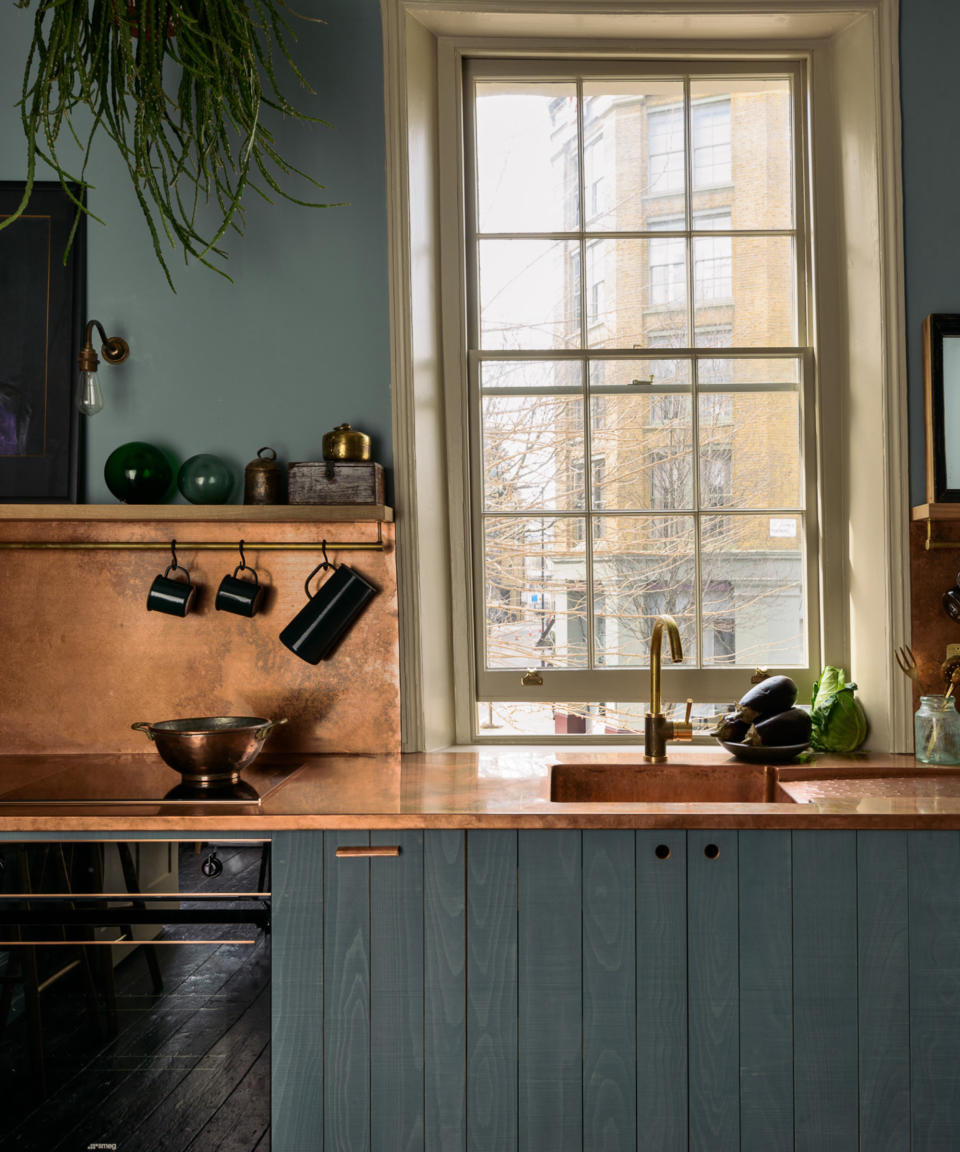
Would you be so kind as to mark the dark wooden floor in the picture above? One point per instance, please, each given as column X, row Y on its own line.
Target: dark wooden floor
column 186, row 1069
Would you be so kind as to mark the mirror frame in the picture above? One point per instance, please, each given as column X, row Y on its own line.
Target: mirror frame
column 936, row 326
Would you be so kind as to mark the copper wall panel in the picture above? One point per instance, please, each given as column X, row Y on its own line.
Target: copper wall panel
column 931, row 574
column 82, row 658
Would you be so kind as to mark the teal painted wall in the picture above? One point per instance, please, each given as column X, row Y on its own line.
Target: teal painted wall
column 930, row 90
column 299, row 342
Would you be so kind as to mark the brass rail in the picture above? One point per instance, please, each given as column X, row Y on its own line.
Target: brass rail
column 931, row 544
column 201, row 545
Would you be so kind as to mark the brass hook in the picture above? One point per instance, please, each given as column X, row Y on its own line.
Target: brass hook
column 324, row 564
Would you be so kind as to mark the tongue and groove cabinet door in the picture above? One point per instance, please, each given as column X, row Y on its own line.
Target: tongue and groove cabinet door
column 934, row 964
column 348, row 988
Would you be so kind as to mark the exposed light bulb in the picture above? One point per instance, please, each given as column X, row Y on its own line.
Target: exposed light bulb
column 89, row 393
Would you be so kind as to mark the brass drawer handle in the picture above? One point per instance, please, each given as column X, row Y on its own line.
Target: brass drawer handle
column 375, row 850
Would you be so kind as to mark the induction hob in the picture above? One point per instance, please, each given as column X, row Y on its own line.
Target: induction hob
column 143, row 781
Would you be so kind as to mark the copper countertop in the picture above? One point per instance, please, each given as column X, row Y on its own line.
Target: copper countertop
column 499, row 788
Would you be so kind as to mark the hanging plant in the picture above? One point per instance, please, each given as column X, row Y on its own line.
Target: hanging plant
column 182, row 88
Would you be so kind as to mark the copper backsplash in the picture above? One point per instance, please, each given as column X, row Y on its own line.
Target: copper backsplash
column 931, row 574
column 82, row 659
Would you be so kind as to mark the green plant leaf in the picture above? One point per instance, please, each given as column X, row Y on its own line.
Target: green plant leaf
column 185, row 111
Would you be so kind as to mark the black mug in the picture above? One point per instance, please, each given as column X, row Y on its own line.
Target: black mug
column 239, row 596
column 951, row 600
column 320, row 625
column 174, row 597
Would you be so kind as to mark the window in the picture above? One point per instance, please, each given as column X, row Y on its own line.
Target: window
column 711, row 147
column 712, row 261
column 665, row 148
column 711, row 144
column 716, row 475
column 596, row 284
column 598, row 494
column 859, row 616
column 668, row 270
column 595, row 171
column 694, row 451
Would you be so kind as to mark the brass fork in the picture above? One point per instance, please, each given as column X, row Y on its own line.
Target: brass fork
column 908, row 664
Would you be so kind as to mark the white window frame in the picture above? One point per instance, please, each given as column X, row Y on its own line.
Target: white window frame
column 488, row 679
column 851, row 50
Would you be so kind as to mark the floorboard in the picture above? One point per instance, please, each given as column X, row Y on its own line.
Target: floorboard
column 188, row 1068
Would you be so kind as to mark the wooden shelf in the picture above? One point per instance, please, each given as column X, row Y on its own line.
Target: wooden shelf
column 936, row 512
column 201, row 513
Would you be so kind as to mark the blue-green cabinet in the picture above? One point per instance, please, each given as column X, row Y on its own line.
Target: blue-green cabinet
column 616, row 991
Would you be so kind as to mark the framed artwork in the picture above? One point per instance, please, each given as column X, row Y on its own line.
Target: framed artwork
column 42, row 313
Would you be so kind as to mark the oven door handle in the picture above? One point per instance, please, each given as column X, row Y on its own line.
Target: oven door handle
column 122, row 940
column 51, row 914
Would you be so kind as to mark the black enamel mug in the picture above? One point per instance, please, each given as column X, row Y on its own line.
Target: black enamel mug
column 239, row 596
column 174, row 597
column 323, row 621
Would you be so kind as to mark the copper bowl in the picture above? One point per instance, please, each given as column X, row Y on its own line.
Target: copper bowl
column 209, row 751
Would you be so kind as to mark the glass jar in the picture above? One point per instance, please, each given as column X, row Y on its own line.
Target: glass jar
column 937, row 730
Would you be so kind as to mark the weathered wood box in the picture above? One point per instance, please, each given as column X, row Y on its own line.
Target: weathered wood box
column 335, row 482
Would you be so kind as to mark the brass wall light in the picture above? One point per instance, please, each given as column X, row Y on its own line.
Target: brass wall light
column 114, row 350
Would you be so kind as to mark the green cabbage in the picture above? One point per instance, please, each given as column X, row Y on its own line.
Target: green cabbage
column 838, row 720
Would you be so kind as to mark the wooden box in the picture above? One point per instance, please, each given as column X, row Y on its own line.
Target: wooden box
column 335, row 482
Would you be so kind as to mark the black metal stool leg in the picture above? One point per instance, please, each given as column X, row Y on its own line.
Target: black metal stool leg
column 86, row 968
column 30, row 972
column 132, row 881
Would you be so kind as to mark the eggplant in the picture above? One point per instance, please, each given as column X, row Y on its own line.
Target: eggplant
column 731, row 727
column 789, row 727
column 770, row 697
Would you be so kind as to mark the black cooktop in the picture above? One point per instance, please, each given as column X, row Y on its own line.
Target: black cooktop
column 145, row 781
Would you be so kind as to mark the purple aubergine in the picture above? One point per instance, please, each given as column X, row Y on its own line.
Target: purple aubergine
column 768, row 698
column 731, row 727
column 786, row 728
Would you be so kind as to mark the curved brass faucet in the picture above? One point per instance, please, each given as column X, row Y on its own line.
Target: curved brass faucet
column 657, row 729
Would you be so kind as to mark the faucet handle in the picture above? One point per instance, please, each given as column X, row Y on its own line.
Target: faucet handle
column 683, row 729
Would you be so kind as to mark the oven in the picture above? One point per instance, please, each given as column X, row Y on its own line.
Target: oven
column 134, row 995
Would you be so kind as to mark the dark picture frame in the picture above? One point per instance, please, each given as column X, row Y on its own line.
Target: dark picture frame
column 42, row 313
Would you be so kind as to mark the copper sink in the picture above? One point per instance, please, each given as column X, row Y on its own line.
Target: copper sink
column 670, row 783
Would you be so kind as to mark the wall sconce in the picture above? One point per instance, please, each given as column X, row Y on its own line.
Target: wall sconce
column 114, row 350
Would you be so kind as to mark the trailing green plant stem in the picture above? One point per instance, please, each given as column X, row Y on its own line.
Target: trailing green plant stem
column 180, row 87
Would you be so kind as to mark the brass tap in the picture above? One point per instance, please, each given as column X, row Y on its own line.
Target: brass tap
column 657, row 729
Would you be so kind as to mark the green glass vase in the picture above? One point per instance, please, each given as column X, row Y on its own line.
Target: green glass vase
column 205, row 479
column 138, row 473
